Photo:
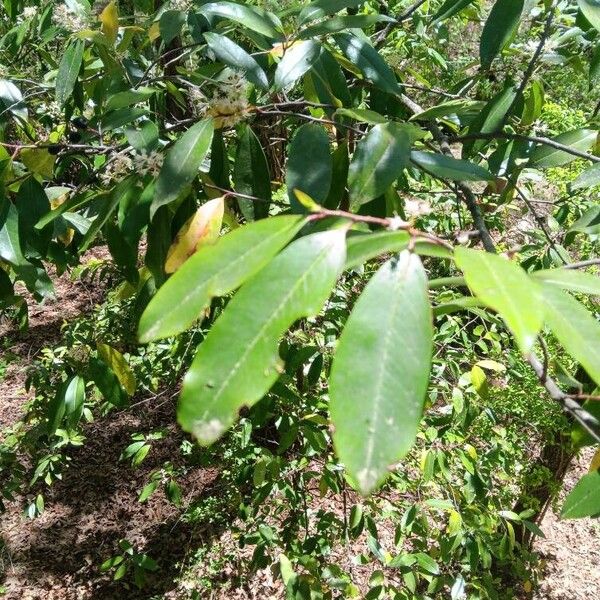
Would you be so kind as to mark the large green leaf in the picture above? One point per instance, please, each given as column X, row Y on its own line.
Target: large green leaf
column 570, row 279
column 547, row 156
column 322, row 8
column 252, row 17
column 361, row 247
column 447, row 167
column 11, row 100
column 499, row 28
column 182, row 162
column 214, row 271
column 575, row 328
column 238, row 361
column 251, row 175
column 10, row 243
column 381, row 370
column 359, row 51
column 336, row 24
column 378, row 160
column 591, row 11
column 297, row 59
column 505, row 287
column 309, row 166
column 589, row 178
column 584, row 499
column 235, row 56
column 68, row 70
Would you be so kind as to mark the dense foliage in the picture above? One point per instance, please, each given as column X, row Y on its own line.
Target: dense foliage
column 365, row 234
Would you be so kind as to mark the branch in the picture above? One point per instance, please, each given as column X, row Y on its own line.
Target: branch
column 501, row 135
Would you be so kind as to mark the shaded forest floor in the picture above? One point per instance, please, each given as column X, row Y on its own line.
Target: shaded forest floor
column 57, row 556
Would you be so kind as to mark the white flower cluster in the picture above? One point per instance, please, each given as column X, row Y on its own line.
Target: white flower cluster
column 51, row 109
column 29, row 12
column 123, row 164
column 148, row 162
column 182, row 5
column 550, row 46
column 69, row 19
column 120, row 166
column 228, row 105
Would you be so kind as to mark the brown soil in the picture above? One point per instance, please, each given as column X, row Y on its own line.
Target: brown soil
column 571, row 550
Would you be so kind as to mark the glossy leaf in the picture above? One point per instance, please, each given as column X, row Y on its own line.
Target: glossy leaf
column 10, row 243
column 336, row 24
column 322, row 8
column 575, row 328
column 591, row 11
column 373, row 67
column 547, row 156
column 298, row 59
column 214, row 271
column 589, row 178
column 503, row 286
column 499, row 28
column 381, row 371
column 251, row 175
column 182, row 162
column 238, row 361
column 309, row 166
column 361, row 247
column 379, row 159
column 570, row 279
column 252, row 17
column 68, row 70
column 447, row 167
column 235, row 56
column 200, row 229
column 584, row 499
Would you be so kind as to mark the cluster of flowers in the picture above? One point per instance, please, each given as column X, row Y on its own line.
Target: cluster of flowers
column 182, row 5
column 29, row 12
column 229, row 103
column 69, row 19
column 123, row 164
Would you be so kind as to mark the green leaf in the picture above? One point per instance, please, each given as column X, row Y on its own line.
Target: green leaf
column 499, row 28
column 381, row 370
column 182, row 162
column 361, row 247
column 449, row 9
column 336, row 24
column 116, row 361
column 547, row 156
column 589, row 222
column 370, row 63
column 591, row 11
column 144, row 138
column 10, row 244
column 235, row 56
column 68, row 70
column 322, row 8
column 252, row 17
column 451, row 107
column 570, row 279
column 447, row 167
column 107, row 382
column 309, row 165
column 575, row 328
column 379, row 159
column 251, row 175
column 11, row 100
column 503, row 286
column 589, row 178
column 214, row 271
column 584, row 499
column 297, row 59
column 534, row 103
column 361, row 114
column 170, row 24
column 238, row 361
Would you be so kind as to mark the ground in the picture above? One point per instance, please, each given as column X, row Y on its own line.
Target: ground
column 56, row 557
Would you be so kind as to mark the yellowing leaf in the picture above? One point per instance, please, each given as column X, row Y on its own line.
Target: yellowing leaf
column 201, row 229
column 118, row 365
column 279, row 50
column 306, row 201
column 154, row 31
column 67, row 237
column 110, row 21
column 479, row 381
column 38, row 161
column 595, row 464
column 491, row 365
